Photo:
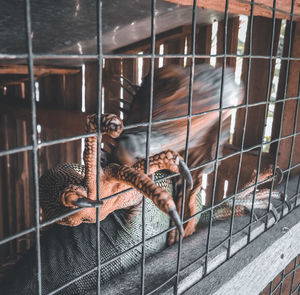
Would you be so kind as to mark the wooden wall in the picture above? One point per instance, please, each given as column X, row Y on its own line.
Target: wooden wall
column 59, row 114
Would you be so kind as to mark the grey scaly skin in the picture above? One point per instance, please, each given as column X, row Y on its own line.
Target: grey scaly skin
column 68, row 252
column 243, row 205
column 71, row 190
column 170, row 100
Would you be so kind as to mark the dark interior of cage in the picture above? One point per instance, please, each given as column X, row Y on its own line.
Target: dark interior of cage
column 264, row 130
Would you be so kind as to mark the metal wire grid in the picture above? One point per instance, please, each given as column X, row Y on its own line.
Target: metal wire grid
column 30, row 56
column 284, row 277
column 34, row 143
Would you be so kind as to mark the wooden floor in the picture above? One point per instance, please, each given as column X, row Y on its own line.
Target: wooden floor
column 162, row 266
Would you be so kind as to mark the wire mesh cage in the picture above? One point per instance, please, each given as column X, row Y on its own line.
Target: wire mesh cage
column 215, row 84
column 287, row 282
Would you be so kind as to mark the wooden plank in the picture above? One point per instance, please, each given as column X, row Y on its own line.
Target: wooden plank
column 174, row 47
column 38, row 70
column 231, row 163
column 68, row 120
column 228, row 169
column 111, row 73
column 290, row 106
column 251, row 269
column 51, row 91
column 232, row 41
column 145, row 45
column 162, row 266
column 91, row 87
column 15, row 74
column 26, row 178
column 9, row 187
column 261, row 42
column 203, row 43
column 72, row 91
column 261, row 8
column 128, row 66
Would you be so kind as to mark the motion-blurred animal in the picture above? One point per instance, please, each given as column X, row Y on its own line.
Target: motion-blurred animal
column 171, row 91
column 71, row 186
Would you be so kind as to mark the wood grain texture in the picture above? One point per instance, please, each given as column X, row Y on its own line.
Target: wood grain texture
column 162, row 266
column 261, row 8
column 38, row 70
column 258, row 84
column 290, row 106
column 249, row 271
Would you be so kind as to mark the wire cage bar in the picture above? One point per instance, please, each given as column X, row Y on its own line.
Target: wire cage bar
column 205, row 262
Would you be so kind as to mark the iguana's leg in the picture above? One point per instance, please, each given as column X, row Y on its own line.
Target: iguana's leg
column 74, row 196
column 114, row 175
column 190, row 209
column 111, row 125
column 167, row 160
column 190, row 226
column 134, row 177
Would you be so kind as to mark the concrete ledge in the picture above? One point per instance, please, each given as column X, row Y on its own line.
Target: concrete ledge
column 252, row 268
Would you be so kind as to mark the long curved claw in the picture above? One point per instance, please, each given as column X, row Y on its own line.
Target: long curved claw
column 175, row 217
column 167, row 160
column 86, row 203
column 142, row 183
column 274, row 213
column 185, row 173
column 284, row 197
column 279, row 174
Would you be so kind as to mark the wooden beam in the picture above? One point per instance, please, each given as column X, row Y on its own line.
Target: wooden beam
column 261, row 7
column 256, row 265
column 258, row 87
column 203, row 43
column 145, row 44
column 232, row 41
column 290, row 106
column 112, row 86
column 38, row 70
column 68, row 120
column 161, row 266
column 129, row 66
column 91, row 87
column 174, row 47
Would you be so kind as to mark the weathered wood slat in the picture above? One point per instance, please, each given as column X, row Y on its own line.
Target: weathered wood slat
column 71, row 120
column 261, row 8
column 91, row 87
column 38, row 70
column 111, row 72
column 232, row 41
column 251, row 269
column 261, row 44
column 203, row 42
column 290, row 106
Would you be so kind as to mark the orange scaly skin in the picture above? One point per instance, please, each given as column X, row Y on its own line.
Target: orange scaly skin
column 171, row 88
column 115, row 178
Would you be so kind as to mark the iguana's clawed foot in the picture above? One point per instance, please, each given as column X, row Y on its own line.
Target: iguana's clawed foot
column 134, row 177
column 279, row 175
column 111, row 124
column 167, row 160
column 75, row 196
column 275, row 213
column 114, row 175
